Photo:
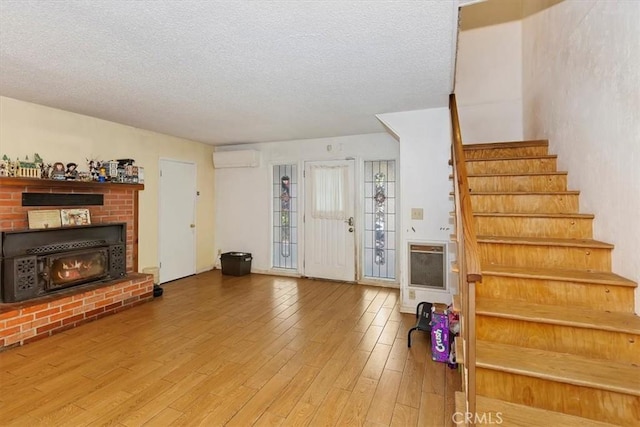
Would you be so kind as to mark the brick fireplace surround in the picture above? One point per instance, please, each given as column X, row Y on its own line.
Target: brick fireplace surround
column 27, row 321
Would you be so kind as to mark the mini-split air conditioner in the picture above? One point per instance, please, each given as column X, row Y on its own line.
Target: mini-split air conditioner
column 236, row 159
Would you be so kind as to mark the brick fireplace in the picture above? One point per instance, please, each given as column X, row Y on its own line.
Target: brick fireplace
column 55, row 310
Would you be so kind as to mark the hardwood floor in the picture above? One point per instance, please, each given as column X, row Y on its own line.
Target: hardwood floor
column 237, row 351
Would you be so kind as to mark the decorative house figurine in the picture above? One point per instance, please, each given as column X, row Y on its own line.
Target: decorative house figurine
column 28, row 169
column 125, row 170
column 112, row 169
column 11, row 167
column 4, row 166
column 120, row 177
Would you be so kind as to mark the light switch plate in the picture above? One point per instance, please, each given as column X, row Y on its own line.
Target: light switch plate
column 417, row 213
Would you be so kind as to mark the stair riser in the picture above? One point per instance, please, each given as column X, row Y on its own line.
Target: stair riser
column 518, row 183
column 621, row 347
column 479, row 167
column 545, row 256
column 569, row 228
column 595, row 296
column 492, row 153
column 525, row 203
column 601, row 405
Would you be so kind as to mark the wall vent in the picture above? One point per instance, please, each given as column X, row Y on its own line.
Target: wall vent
column 427, row 265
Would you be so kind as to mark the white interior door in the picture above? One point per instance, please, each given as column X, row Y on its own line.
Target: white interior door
column 177, row 219
column 329, row 227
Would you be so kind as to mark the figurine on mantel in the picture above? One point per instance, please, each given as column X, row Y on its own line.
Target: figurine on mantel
column 9, row 168
column 71, row 172
column 114, row 171
column 4, row 166
column 94, row 169
column 45, row 170
column 58, row 171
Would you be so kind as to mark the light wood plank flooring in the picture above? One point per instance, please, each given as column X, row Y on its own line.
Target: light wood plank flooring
column 237, row 351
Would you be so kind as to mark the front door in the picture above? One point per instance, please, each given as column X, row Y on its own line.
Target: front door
column 177, row 219
column 329, row 227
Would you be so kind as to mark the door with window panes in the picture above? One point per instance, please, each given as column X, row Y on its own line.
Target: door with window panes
column 329, row 226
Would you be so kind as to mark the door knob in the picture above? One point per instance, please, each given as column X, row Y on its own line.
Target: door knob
column 192, row 226
column 350, row 221
column 350, row 229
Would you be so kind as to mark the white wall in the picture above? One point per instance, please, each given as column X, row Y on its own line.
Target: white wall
column 581, row 76
column 425, row 150
column 489, row 72
column 243, row 195
column 58, row 135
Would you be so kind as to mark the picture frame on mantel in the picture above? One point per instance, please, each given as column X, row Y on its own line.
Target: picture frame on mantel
column 71, row 217
column 44, row 218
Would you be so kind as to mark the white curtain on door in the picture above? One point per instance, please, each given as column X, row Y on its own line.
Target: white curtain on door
column 330, row 184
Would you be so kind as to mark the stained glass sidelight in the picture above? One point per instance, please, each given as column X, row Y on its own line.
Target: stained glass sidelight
column 379, row 215
column 285, row 189
column 285, row 211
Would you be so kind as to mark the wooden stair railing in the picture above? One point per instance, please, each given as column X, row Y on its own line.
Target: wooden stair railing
column 469, row 269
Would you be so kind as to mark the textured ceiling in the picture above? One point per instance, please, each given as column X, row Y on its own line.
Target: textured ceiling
column 225, row 72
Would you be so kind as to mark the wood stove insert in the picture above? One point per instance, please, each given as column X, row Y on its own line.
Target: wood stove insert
column 34, row 263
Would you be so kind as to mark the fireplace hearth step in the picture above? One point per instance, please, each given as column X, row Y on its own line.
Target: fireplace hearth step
column 70, row 307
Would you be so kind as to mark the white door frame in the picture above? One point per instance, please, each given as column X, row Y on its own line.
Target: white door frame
column 195, row 166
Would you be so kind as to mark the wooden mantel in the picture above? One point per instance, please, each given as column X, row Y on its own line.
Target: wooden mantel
column 42, row 183
column 121, row 204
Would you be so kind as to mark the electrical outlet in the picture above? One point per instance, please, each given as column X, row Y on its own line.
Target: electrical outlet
column 417, row 213
column 412, row 294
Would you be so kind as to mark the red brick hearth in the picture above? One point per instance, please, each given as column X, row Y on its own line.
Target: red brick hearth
column 31, row 320
column 21, row 323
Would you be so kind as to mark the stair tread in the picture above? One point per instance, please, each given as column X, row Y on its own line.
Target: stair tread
column 584, row 276
column 524, row 193
column 507, row 144
column 527, row 157
column 491, row 174
column 535, row 215
column 513, row 414
column 566, row 315
column 545, row 241
column 561, row 367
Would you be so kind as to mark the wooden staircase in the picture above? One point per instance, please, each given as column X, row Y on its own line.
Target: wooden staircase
column 555, row 334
